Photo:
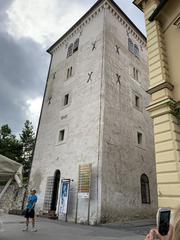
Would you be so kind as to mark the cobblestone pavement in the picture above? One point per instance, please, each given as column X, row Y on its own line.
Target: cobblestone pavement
column 57, row 230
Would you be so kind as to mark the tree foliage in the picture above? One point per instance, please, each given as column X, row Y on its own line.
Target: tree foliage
column 9, row 145
column 27, row 138
column 20, row 150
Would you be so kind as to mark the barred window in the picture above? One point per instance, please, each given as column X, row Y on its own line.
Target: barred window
column 76, row 45
column 70, row 50
column 130, row 45
column 145, row 192
column 136, row 51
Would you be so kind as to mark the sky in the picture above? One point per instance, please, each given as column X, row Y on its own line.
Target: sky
column 27, row 29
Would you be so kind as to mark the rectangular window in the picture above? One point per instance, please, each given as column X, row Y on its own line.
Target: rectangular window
column 139, row 138
column 137, row 101
column 61, row 135
column 66, row 99
column 135, row 74
column 69, row 72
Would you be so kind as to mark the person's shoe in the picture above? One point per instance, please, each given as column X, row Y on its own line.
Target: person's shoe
column 33, row 230
column 25, row 229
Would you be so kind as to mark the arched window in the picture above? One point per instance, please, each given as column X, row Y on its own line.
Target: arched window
column 70, row 50
column 136, row 51
column 130, row 45
column 55, row 190
column 76, row 45
column 145, row 192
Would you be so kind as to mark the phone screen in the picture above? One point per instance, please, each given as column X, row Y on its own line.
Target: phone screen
column 164, row 222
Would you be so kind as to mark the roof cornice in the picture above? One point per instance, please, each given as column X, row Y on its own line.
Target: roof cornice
column 138, row 3
column 91, row 13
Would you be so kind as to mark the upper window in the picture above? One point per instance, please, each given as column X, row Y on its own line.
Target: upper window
column 145, row 192
column 135, row 74
column 70, row 50
column 137, row 101
column 66, row 99
column 130, row 45
column 76, row 45
column 69, row 72
column 136, row 51
column 139, row 138
column 61, row 135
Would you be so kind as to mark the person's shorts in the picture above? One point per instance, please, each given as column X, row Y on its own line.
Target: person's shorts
column 29, row 213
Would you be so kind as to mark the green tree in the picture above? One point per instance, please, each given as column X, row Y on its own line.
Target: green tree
column 27, row 138
column 9, row 145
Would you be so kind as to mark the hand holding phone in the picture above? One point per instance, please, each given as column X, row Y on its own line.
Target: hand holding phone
column 163, row 220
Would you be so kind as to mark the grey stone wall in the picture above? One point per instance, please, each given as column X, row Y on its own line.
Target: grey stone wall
column 80, row 119
column 13, row 198
column 124, row 160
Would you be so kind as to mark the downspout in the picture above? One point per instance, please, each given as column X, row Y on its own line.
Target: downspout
column 157, row 10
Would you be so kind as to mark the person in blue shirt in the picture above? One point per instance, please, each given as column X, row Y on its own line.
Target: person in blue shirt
column 30, row 210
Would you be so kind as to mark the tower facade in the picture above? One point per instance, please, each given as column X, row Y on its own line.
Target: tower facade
column 94, row 113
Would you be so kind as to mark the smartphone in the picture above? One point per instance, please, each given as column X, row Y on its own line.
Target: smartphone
column 163, row 220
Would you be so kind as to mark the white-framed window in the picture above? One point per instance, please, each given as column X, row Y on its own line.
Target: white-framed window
column 135, row 73
column 69, row 72
column 145, row 191
column 61, row 135
column 137, row 101
column 139, row 138
column 76, row 45
column 66, row 99
column 136, row 51
column 70, row 50
column 130, row 45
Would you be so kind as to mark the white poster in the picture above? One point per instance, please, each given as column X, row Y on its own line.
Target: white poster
column 65, row 183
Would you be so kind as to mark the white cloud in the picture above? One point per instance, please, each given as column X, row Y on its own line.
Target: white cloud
column 44, row 21
column 33, row 110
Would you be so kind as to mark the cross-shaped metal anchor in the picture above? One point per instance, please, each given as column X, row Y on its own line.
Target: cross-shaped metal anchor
column 118, row 79
column 117, row 49
column 49, row 100
column 93, row 45
column 54, row 75
column 89, row 75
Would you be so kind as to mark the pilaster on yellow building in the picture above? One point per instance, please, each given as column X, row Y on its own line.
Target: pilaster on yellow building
column 163, row 36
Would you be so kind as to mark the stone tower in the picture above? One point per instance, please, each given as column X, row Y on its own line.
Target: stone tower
column 94, row 112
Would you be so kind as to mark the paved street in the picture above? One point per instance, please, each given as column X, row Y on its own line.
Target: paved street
column 56, row 230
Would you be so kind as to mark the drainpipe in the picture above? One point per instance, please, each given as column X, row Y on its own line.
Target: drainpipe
column 157, row 10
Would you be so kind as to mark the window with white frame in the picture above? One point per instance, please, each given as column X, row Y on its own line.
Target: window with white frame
column 76, row 45
column 130, row 45
column 69, row 72
column 139, row 138
column 145, row 191
column 66, row 99
column 135, row 73
column 61, row 135
column 136, row 51
column 70, row 50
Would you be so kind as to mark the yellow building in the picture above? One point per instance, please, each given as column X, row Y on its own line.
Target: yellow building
column 163, row 36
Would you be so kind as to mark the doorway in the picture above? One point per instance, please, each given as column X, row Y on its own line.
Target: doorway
column 55, row 190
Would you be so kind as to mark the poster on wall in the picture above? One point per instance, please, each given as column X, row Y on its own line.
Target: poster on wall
column 84, row 181
column 65, row 184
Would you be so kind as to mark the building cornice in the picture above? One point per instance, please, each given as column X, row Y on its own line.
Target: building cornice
column 159, row 87
column 139, row 4
column 93, row 12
